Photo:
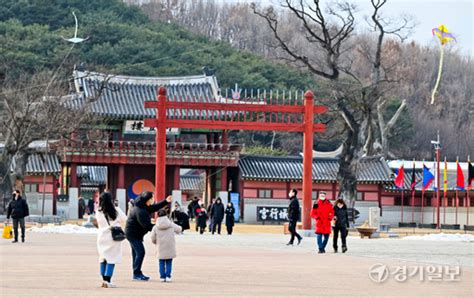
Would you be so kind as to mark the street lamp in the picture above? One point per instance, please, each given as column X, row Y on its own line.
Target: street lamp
column 437, row 147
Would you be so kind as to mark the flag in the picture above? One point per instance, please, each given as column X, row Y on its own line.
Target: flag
column 400, row 179
column 460, row 177
column 413, row 178
column 470, row 175
column 436, row 175
column 428, row 177
column 445, row 177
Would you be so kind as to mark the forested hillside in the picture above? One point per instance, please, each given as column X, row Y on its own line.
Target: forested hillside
column 125, row 40
column 452, row 115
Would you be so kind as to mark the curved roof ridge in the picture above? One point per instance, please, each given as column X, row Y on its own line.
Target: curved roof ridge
column 289, row 157
column 125, row 79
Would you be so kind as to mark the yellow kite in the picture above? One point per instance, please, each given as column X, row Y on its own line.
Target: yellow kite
column 444, row 37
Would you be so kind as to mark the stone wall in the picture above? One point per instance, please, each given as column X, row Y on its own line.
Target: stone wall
column 35, row 202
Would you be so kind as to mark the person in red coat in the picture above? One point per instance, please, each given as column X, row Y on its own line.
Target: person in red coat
column 323, row 213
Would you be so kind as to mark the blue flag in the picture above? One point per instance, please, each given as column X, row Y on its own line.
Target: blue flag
column 428, row 177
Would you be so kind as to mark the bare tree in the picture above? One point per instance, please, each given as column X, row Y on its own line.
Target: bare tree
column 361, row 78
column 32, row 116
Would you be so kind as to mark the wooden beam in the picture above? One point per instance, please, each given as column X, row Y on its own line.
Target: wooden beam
column 244, row 107
column 229, row 125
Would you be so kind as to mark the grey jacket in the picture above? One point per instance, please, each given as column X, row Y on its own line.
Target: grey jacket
column 162, row 235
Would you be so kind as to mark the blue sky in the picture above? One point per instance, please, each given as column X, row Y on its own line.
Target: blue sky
column 456, row 15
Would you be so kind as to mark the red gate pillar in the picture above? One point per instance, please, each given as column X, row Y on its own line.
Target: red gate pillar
column 160, row 165
column 121, row 176
column 176, row 177
column 308, row 158
column 73, row 182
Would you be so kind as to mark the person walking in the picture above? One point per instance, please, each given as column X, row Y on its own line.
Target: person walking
column 341, row 224
column 179, row 217
column 217, row 216
column 18, row 209
column 192, row 208
column 229, row 217
column 138, row 224
column 196, row 206
column 90, row 206
column 110, row 251
column 163, row 236
column 293, row 217
column 82, row 207
column 201, row 218
column 323, row 213
column 210, row 215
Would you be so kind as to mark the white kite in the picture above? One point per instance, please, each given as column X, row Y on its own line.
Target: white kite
column 75, row 39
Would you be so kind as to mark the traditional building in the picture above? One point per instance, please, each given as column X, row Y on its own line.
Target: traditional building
column 266, row 181
column 41, row 182
column 127, row 148
column 118, row 154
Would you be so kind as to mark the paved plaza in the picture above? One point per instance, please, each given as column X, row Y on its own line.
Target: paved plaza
column 66, row 265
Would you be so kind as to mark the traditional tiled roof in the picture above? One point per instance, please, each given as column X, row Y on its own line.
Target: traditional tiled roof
column 272, row 168
column 191, row 182
column 92, row 175
column 36, row 164
column 123, row 96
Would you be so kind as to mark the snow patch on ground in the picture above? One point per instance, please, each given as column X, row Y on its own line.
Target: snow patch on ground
column 65, row 229
column 443, row 237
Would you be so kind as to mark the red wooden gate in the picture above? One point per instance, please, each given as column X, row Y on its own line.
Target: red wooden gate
column 237, row 115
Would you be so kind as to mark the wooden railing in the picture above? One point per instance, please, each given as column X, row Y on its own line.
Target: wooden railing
column 146, row 148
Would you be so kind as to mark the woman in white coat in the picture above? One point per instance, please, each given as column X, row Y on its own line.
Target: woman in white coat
column 110, row 251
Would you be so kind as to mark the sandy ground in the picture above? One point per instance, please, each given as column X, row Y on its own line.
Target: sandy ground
column 244, row 265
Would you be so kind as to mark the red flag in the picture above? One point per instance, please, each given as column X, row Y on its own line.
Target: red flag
column 460, row 177
column 400, row 179
column 470, row 175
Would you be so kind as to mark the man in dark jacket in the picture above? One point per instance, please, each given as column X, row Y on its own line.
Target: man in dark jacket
column 293, row 217
column 192, row 208
column 341, row 224
column 217, row 212
column 211, row 216
column 18, row 210
column 138, row 224
column 90, row 206
column 229, row 217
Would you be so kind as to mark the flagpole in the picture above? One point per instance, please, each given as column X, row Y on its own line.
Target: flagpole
column 423, row 194
column 468, row 201
column 433, row 196
column 438, row 149
column 422, row 204
column 445, row 190
column 433, row 207
column 413, row 188
column 457, row 198
column 403, row 198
